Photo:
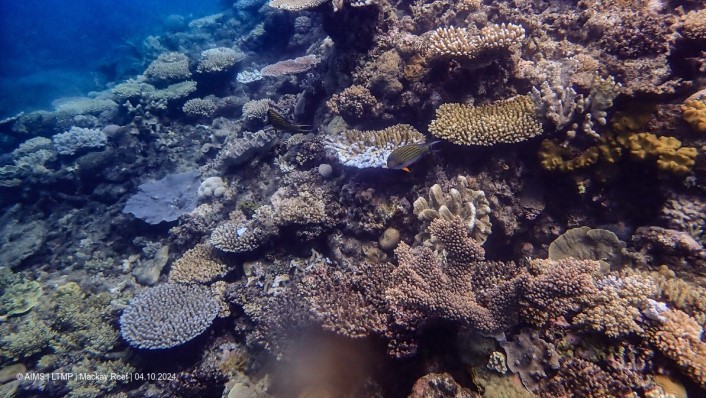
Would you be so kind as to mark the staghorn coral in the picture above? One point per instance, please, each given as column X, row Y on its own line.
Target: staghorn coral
column 679, row 338
column 472, row 206
column 695, row 113
column 199, row 264
column 459, row 42
column 199, row 107
column 507, row 121
column 167, row 315
column 363, row 149
column 168, row 67
column 290, row 66
column 218, row 60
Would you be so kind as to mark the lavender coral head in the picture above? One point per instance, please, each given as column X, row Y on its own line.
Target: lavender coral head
column 166, row 199
column 168, row 315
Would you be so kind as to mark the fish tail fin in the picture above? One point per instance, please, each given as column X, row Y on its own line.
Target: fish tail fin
column 430, row 146
column 406, row 169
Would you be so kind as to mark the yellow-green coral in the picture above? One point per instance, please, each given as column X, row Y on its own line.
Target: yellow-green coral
column 553, row 156
column 671, row 156
column 18, row 294
column 695, row 114
column 507, row 121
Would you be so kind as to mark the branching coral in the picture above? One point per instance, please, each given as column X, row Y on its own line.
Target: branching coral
column 354, row 104
column 472, row 206
column 199, row 107
column 245, row 235
column 198, row 265
column 463, row 43
column 363, row 149
column 507, row 121
column 217, row 60
column 679, row 338
column 168, row 315
column 168, row 67
column 694, row 25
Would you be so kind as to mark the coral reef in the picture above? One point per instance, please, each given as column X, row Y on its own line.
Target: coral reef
column 508, row 121
column 470, row 205
column 362, row 149
column 167, row 315
column 166, row 199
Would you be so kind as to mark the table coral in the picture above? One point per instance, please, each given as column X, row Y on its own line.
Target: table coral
column 363, row 149
column 295, row 5
column 290, row 66
column 219, row 59
column 167, row 315
column 507, row 121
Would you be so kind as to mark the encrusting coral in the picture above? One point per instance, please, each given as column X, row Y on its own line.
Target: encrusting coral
column 509, row 121
column 695, row 113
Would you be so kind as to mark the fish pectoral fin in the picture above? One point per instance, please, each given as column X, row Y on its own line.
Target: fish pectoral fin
column 406, row 169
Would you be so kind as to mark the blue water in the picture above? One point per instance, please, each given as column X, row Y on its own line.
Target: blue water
column 59, row 48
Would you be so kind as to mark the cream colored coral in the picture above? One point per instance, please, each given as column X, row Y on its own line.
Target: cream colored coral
column 507, row 121
column 296, row 5
column 694, row 25
column 371, row 148
column 453, row 41
column 472, row 206
column 679, row 338
column 197, row 265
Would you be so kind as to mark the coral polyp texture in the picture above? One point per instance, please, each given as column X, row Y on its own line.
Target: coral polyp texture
column 167, row 315
column 173, row 66
column 509, row 121
column 220, row 59
column 461, row 42
column 695, row 113
column 471, row 205
column 290, row 66
column 363, row 149
column 490, row 198
column 295, row 5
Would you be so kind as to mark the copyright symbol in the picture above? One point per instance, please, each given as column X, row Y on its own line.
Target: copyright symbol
column 20, row 376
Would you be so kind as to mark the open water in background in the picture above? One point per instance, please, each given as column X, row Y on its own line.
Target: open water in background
column 60, row 48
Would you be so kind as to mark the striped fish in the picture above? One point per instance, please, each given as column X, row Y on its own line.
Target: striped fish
column 280, row 123
column 406, row 155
